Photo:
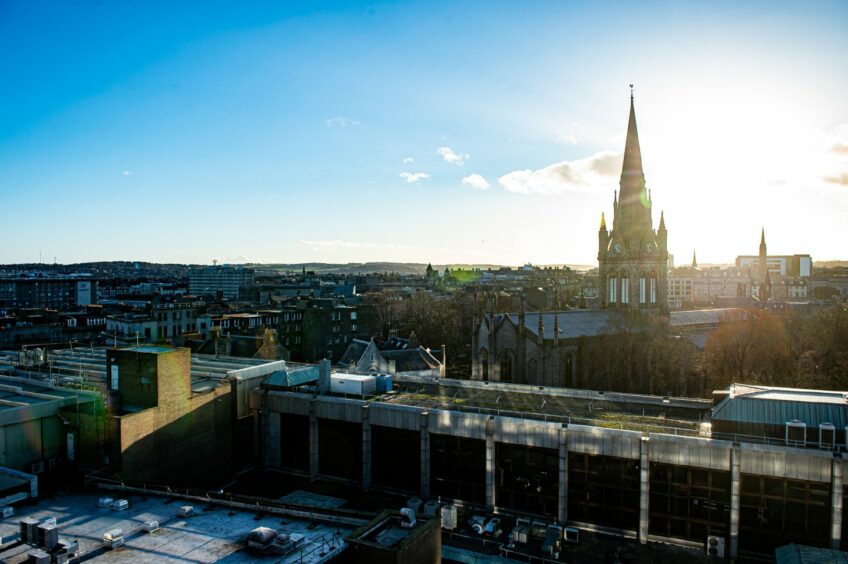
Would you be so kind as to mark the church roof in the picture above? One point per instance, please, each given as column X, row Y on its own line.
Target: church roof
column 571, row 324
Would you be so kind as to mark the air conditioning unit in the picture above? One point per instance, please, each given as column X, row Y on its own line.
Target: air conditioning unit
column 796, row 433
column 37, row 467
column 7, row 511
column 450, row 520
column 572, row 535
column 185, row 511
column 151, row 526
column 715, row 546
column 827, row 435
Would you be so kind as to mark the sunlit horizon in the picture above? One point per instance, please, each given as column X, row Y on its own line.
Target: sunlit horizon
column 407, row 132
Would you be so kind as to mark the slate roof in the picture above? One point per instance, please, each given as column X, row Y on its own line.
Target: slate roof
column 775, row 406
column 412, row 359
column 354, row 352
column 572, row 324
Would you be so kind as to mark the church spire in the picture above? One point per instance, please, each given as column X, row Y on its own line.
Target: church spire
column 694, row 259
column 632, row 152
column 603, row 222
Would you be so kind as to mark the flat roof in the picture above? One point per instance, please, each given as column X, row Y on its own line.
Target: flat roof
column 212, row 534
column 88, row 365
column 155, row 349
column 584, row 407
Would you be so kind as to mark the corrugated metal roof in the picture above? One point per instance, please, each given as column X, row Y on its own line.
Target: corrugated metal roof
column 776, row 406
column 703, row 316
column 801, row 554
column 293, row 376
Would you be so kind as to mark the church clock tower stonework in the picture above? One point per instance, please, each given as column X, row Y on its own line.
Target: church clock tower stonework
column 633, row 256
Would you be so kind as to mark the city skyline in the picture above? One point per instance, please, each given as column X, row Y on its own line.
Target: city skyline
column 412, row 133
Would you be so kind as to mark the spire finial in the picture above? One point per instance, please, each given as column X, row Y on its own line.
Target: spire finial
column 631, row 91
column 603, row 221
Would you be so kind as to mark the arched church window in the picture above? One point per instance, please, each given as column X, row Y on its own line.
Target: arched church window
column 613, row 286
column 506, row 367
column 569, row 370
column 643, row 287
column 653, row 289
column 625, row 287
column 531, row 371
column 484, row 365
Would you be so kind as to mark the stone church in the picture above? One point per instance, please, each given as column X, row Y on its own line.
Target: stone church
column 561, row 348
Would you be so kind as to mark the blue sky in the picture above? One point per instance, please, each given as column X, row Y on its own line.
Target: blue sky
column 415, row 131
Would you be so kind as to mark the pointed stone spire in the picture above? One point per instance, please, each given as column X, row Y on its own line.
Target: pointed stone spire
column 556, row 328
column 763, row 241
column 603, row 222
column 662, row 221
column 694, row 259
column 632, row 152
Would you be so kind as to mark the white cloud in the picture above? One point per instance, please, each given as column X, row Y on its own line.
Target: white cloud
column 127, row 173
column 337, row 244
column 412, row 177
column 408, row 160
column 566, row 176
column 451, row 156
column 476, row 181
column 342, row 121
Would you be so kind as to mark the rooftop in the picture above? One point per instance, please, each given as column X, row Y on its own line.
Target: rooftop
column 87, row 366
column 584, row 407
column 213, row 533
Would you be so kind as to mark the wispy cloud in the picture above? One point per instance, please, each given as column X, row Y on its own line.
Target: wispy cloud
column 452, row 156
column 408, row 160
column 476, row 181
column 566, row 176
column 127, row 173
column 342, row 121
column 413, row 177
column 337, row 244
column 841, row 179
column 840, row 149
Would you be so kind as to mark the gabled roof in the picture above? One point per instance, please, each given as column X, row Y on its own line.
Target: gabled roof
column 412, row 359
column 571, row 324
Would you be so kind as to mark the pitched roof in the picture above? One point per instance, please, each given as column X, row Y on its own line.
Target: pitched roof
column 571, row 324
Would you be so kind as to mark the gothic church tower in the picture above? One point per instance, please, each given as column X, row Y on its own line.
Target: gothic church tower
column 633, row 256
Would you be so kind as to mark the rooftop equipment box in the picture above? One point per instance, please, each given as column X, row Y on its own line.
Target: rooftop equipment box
column 354, row 384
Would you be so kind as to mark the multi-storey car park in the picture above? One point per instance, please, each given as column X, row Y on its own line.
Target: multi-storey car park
column 754, row 468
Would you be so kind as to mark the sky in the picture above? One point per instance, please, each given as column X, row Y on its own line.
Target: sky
column 450, row 132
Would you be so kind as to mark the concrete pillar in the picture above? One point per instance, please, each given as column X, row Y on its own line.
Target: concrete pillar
column 273, row 456
column 836, row 503
column 425, row 456
column 562, row 498
column 490, row 463
column 644, row 490
column 313, row 441
column 366, row 447
column 735, row 489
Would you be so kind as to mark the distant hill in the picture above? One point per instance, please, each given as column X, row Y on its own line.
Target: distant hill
column 317, row 267
column 381, row 267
